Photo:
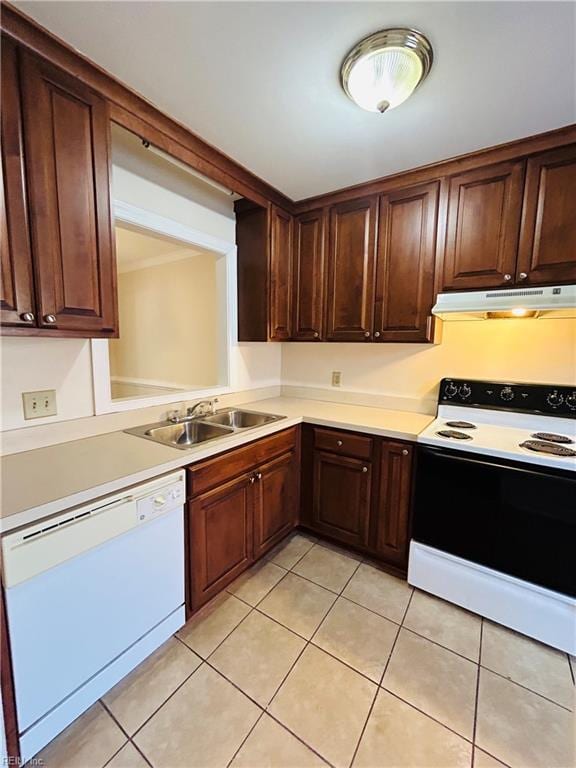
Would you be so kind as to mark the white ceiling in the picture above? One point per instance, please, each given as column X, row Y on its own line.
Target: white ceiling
column 260, row 80
column 139, row 250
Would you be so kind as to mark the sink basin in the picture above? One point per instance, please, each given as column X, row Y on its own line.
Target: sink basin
column 240, row 419
column 187, row 434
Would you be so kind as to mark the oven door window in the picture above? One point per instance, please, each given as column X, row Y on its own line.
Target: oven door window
column 518, row 520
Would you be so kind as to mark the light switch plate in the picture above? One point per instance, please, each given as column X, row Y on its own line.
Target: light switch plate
column 336, row 378
column 38, row 405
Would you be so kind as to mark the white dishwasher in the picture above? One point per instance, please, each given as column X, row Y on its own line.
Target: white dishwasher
column 90, row 593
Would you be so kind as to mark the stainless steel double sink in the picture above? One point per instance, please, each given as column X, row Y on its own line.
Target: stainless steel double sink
column 189, row 432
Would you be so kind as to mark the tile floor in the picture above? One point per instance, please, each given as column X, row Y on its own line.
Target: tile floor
column 316, row 658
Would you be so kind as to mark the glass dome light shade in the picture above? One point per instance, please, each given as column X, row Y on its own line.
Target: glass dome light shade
column 384, row 69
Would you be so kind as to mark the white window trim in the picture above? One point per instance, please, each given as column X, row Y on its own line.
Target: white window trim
column 153, row 222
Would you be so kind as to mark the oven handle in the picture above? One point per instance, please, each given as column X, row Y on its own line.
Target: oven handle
column 530, row 469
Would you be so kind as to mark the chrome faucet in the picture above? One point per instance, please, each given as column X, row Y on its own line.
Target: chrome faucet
column 203, row 408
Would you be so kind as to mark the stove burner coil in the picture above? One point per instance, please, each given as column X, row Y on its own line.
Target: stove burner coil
column 540, row 446
column 551, row 437
column 461, row 424
column 454, row 434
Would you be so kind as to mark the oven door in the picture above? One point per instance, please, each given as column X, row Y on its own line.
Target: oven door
column 514, row 518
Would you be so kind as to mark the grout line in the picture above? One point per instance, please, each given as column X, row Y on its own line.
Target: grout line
column 110, row 758
column 235, row 685
column 475, row 723
column 519, row 685
column 439, row 645
column 245, row 739
column 571, row 668
column 300, row 739
column 137, row 748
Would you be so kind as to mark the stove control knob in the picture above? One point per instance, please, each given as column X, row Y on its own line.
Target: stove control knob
column 571, row 401
column 507, row 394
column 465, row 391
column 555, row 398
column 450, row 389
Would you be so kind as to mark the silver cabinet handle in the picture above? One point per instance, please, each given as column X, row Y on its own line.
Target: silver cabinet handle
column 339, row 443
column 27, row 317
column 522, row 276
column 252, row 479
column 258, row 475
column 50, row 319
column 364, row 469
column 405, row 452
column 507, row 277
column 367, row 334
column 316, row 334
column 377, row 335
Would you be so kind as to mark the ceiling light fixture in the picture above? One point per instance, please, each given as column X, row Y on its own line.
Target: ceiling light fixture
column 385, row 68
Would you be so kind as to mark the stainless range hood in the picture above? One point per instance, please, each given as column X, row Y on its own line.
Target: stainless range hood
column 553, row 302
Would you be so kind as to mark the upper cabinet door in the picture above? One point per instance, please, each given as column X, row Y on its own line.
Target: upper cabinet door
column 309, row 276
column 66, row 132
column 351, row 265
column 17, row 294
column 483, row 222
column 280, row 275
column 405, row 268
column 548, row 236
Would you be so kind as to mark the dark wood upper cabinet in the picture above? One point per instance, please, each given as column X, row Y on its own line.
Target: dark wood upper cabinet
column 405, row 264
column 275, row 501
column 280, row 275
column 309, row 276
column 351, row 267
column 17, row 306
column 264, row 245
column 482, row 227
column 66, row 133
column 392, row 507
column 547, row 252
column 341, row 497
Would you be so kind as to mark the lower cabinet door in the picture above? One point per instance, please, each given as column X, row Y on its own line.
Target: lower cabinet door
column 341, row 502
column 275, row 502
column 220, row 538
column 392, row 508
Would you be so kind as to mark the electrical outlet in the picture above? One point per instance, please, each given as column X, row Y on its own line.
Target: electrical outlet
column 38, row 405
column 336, row 378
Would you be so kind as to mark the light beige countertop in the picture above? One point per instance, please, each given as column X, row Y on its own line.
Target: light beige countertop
column 42, row 482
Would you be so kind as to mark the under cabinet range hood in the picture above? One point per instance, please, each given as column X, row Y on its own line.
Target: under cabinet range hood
column 552, row 302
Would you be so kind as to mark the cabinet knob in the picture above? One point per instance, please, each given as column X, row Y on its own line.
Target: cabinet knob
column 258, row 475
column 316, row 334
column 50, row 319
column 339, row 443
column 507, row 277
column 27, row 317
column 364, row 469
column 405, row 452
column 367, row 334
column 377, row 335
column 252, row 479
column 522, row 276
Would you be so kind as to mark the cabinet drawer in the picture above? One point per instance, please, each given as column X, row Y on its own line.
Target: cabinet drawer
column 344, row 443
column 224, row 467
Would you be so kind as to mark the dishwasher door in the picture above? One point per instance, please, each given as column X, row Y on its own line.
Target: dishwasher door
column 103, row 577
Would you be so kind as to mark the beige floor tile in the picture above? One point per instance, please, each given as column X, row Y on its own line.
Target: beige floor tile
column 272, row 746
column 326, row 567
column 257, row 656
column 521, row 728
column 255, row 583
column 292, row 549
column 206, row 630
column 435, row 680
column 325, row 703
column 140, row 693
column 341, row 550
column 89, row 742
column 298, row 604
column 445, row 623
column 201, row 726
column 398, row 736
column 379, row 591
column 128, row 757
column 528, row 662
column 484, row 760
column 358, row 637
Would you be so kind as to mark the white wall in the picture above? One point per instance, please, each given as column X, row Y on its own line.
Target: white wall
column 518, row 350
column 146, row 181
